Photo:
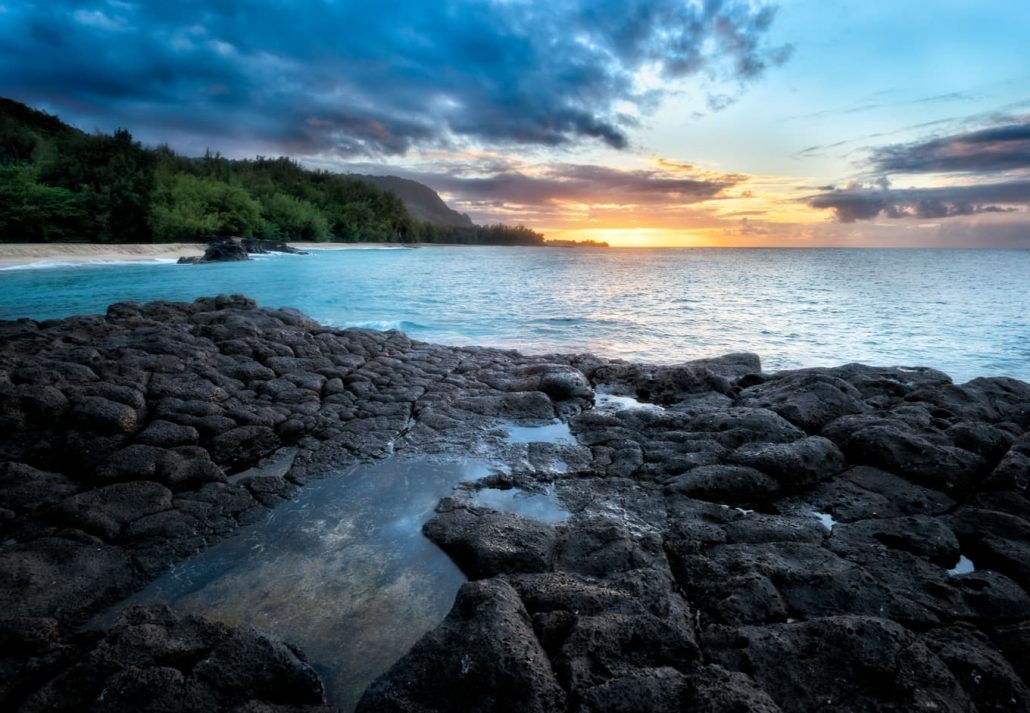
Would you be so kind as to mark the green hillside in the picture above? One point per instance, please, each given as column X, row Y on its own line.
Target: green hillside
column 60, row 184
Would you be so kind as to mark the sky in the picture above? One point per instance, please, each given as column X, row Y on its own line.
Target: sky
column 846, row 123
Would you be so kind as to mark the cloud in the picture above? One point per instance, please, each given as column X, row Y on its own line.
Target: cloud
column 578, row 183
column 878, row 101
column 376, row 78
column 998, row 148
column 992, row 163
column 857, row 202
column 554, row 195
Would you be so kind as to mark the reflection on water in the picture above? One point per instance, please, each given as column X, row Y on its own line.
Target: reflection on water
column 825, row 519
column 536, row 506
column 964, row 566
column 557, row 432
column 343, row 571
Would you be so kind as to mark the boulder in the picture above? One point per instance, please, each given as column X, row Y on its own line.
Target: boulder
column 218, row 251
column 876, row 665
column 731, row 483
column 806, row 399
column 485, row 543
column 793, row 465
column 105, row 511
column 484, row 656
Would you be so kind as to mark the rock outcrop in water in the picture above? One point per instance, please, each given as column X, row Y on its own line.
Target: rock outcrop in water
column 854, row 537
column 222, row 250
column 236, row 250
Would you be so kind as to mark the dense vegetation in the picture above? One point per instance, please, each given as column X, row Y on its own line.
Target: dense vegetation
column 59, row 184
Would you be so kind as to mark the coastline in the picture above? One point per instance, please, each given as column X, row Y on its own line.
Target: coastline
column 745, row 514
column 17, row 254
column 12, row 254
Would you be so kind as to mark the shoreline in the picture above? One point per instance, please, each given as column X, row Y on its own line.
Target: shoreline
column 67, row 254
column 12, row 254
column 713, row 506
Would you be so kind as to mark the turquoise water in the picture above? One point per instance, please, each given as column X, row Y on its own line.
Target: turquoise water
column 966, row 312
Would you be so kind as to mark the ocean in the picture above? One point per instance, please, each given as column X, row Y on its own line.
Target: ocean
column 966, row 312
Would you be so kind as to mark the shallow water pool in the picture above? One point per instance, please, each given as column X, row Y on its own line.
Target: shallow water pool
column 342, row 571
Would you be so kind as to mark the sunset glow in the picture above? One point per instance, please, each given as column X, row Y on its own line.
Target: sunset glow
column 666, row 123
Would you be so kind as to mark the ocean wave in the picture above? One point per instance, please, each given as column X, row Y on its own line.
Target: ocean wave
column 86, row 262
column 384, row 325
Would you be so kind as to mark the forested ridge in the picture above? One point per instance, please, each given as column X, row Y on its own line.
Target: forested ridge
column 60, row 184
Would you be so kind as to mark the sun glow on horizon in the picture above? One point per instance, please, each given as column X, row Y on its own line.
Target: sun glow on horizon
column 637, row 237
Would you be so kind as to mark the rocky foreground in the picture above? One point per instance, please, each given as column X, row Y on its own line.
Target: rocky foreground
column 691, row 574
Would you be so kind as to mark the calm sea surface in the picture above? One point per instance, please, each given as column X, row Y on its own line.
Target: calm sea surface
column 966, row 312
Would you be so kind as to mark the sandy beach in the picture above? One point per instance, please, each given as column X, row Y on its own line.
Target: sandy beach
column 12, row 254
column 28, row 253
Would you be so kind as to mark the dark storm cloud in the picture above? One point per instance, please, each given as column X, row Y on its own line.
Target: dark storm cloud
column 365, row 77
column 998, row 148
column 856, row 203
column 992, row 163
column 580, row 183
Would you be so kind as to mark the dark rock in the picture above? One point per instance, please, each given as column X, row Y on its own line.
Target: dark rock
column 985, row 399
column 877, row 665
column 1013, row 472
column 136, row 462
column 105, row 511
column 793, row 465
column 747, row 599
column 598, row 649
column 151, row 660
column 24, row 489
column 737, row 426
column 863, row 492
column 948, row 469
column 62, row 578
column 192, row 473
column 663, row 384
column 715, row 690
column 995, row 540
column 484, row 656
column 23, row 406
column 243, row 446
column 218, row 251
column 640, row 690
column 806, row 399
column 922, row 536
column 246, row 665
column 812, row 581
column 605, row 547
column 732, row 483
column 485, row 543
column 1014, row 641
column 980, row 438
column 166, row 434
column 572, row 593
column 104, row 415
column 566, row 384
column 986, row 677
column 176, row 409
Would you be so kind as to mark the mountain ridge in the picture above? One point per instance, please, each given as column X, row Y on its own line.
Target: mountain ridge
column 422, row 201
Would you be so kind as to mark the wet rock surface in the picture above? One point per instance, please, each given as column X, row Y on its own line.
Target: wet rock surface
column 853, row 537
